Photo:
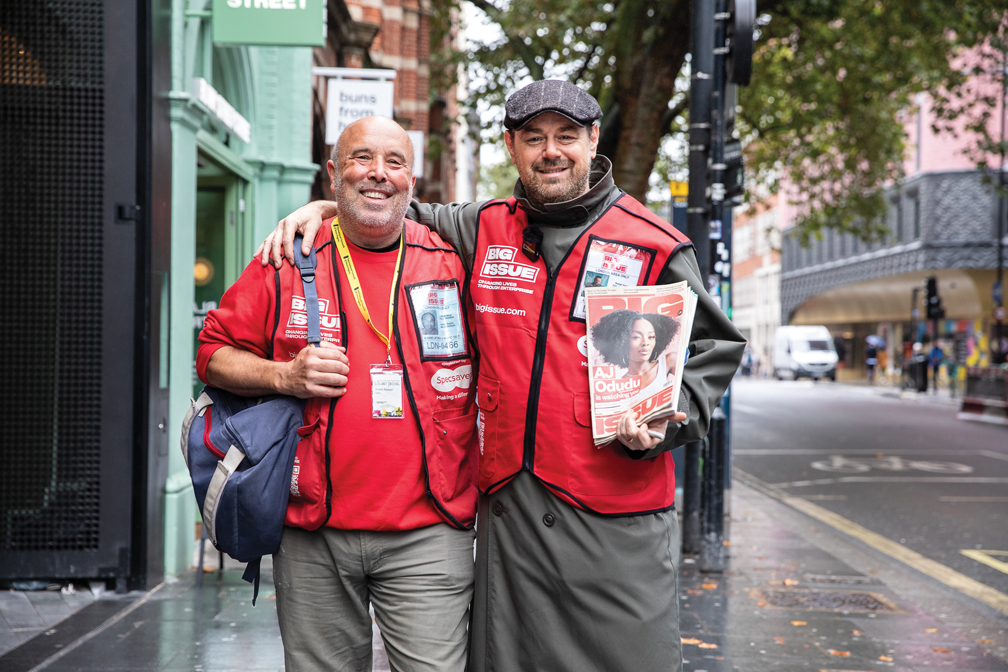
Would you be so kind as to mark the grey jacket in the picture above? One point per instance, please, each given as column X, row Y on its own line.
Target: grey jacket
column 716, row 346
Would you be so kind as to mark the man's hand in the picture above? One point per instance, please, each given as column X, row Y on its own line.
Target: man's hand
column 306, row 220
column 637, row 437
column 316, row 372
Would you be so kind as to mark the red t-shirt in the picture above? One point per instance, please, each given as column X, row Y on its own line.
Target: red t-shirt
column 377, row 464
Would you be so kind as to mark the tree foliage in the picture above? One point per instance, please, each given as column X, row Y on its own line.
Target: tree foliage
column 833, row 83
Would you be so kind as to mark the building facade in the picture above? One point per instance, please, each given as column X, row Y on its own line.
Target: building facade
column 228, row 191
column 756, row 274
column 942, row 223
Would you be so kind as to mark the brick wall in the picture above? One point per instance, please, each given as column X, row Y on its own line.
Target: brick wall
column 402, row 43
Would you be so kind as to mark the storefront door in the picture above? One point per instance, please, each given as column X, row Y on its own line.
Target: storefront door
column 221, row 233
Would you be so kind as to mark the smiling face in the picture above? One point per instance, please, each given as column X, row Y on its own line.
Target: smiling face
column 373, row 182
column 553, row 155
column 642, row 342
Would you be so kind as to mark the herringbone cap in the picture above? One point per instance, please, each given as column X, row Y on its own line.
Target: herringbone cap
column 550, row 95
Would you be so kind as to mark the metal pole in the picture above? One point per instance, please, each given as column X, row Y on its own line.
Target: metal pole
column 697, row 222
column 999, row 354
column 691, row 499
column 712, row 509
column 702, row 66
column 712, row 558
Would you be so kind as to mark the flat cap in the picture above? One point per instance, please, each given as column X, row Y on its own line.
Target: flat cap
column 550, row 95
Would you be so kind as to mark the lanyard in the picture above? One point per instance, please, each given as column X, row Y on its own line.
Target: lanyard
column 355, row 286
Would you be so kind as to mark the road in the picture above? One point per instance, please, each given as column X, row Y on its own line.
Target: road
column 905, row 469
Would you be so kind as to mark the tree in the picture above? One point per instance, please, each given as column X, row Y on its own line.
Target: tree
column 832, row 80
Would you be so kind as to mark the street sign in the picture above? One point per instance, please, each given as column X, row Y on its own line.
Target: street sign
column 221, row 109
column 997, row 292
column 292, row 23
column 680, row 190
column 999, row 313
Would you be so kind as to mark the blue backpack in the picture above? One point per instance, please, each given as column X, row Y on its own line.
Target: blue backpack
column 240, row 454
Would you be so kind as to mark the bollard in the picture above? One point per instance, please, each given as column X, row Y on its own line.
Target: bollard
column 712, row 557
column 691, row 499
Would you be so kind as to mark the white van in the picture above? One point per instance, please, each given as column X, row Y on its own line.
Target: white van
column 801, row 351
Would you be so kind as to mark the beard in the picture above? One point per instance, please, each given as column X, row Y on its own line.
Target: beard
column 378, row 218
column 540, row 190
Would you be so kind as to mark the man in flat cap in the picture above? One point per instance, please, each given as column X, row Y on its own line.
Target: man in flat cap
column 577, row 546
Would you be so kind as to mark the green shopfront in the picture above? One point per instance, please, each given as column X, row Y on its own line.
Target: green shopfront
column 241, row 129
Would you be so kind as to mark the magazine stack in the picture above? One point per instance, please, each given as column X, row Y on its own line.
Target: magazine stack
column 637, row 348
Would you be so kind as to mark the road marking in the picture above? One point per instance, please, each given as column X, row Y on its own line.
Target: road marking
column 996, row 456
column 842, row 464
column 893, row 479
column 985, row 558
column 746, row 409
column 867, row 451
column 913, row 559
column 970, row 499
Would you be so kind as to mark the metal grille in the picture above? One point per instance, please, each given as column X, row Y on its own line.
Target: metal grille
column 51, row 195
column 823, row 600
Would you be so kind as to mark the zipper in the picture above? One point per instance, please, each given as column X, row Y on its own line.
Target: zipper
column 532, row 410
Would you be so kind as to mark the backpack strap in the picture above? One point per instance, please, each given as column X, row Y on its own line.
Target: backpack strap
column 306, row 265
column 251, row 575
column 225, row 468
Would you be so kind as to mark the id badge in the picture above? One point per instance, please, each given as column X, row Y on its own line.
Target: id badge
column 386, row 391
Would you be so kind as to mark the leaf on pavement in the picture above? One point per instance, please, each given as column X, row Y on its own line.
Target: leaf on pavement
column 841, row 654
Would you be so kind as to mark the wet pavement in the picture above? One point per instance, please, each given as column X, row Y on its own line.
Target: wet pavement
column 797, row 595
column 800, row 596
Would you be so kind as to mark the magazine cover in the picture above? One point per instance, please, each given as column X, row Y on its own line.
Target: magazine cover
column 637, row 342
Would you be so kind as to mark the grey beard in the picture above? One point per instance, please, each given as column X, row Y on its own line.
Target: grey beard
column 373, row 220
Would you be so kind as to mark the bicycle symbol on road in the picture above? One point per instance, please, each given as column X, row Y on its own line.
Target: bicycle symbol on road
column 859, row 465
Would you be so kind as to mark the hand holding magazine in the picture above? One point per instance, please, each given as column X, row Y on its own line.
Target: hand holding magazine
column 637, row 343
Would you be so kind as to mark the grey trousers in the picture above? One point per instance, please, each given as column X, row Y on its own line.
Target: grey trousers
column 561, row 589
column 420, row 583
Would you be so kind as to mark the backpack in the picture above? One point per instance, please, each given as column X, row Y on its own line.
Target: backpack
column 240, row 454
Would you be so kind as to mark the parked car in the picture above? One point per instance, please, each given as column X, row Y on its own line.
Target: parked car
column 804, row 352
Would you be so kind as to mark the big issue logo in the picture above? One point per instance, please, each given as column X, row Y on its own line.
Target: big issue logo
column 446, row 380
column 500, row 264
column 299, row 314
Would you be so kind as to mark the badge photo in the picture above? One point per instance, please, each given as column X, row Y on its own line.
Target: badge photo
column 438, row 319
column 611, row 263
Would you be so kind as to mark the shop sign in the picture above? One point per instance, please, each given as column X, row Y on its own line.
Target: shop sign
column 221, row 109
column 352, row 99
column 293, row 23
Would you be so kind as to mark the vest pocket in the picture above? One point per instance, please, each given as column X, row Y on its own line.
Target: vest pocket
column 453, row 462
column 487, row 397
column 306, row 504
column 602, row 471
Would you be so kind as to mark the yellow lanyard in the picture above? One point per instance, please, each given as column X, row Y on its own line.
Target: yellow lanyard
column 355, row 286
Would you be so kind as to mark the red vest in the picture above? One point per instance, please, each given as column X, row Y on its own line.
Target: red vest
column 438, row 387
column 533, row 391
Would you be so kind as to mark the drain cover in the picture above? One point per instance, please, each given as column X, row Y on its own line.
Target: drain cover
column 836, row 579
column 824, row 600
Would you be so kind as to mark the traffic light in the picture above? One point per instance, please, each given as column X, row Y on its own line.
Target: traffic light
column 934, row 307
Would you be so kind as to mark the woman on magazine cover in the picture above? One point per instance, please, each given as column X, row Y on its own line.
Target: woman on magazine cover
column 637, row 342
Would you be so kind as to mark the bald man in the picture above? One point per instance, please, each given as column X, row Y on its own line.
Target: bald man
column 383, row 495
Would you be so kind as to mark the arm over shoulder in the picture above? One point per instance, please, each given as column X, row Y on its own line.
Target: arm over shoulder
column 455, row 222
